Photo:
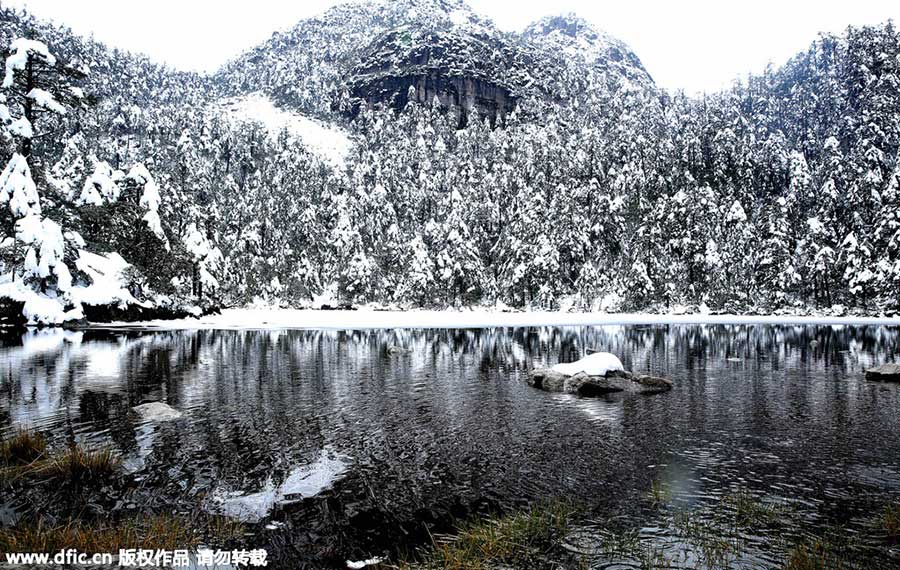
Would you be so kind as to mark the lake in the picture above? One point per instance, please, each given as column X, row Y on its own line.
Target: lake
column 331, row 447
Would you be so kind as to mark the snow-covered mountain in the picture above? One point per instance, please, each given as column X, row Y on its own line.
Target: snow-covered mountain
column 410, row 153
column 380, row 52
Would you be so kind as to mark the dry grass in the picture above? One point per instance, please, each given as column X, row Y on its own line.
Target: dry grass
column 79, row 465
column 22, row 448
column 816, row 556
column 890, row 521
column 156, row 532
column 25, row 455
column 522, row 540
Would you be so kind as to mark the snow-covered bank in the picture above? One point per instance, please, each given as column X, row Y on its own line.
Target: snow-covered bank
column 371, row 319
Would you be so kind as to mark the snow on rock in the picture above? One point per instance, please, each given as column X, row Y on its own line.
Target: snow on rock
column 597, row 364
column 44, row 257
column 107, row 280
column 39, row 309
column 329, row 142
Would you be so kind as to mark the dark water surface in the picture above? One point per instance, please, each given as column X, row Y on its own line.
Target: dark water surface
column 332, row 448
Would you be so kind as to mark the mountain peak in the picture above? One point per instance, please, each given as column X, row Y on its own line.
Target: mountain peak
column 570, row 24
column 574, row 37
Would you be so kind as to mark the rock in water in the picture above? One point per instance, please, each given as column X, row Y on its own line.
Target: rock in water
column 653, row 384
column 884, row 373
column 595, row 375
column 547, row 379
column 591, row 386
column 596, row 364
column 157, row 412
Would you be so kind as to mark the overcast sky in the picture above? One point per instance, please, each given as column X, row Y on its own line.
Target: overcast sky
column 694, row 45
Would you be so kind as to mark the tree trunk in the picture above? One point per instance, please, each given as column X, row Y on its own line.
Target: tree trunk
column 27, row 107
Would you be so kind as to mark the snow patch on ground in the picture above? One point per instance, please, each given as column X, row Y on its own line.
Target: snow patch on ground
column 597, row 364
column 273, row 318
column 329, row 142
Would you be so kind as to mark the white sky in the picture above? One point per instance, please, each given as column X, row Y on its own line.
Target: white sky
column 694, row 45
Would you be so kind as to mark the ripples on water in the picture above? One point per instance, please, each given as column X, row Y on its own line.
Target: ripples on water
column 348, row 449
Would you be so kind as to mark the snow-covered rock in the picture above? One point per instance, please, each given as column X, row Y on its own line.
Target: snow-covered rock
column 884, row 373
column 597, row 364
column 108, row 282
column 157, row 412
column 38, row 309
column 595, row 375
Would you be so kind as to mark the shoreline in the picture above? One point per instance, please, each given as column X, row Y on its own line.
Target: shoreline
column 369, row 319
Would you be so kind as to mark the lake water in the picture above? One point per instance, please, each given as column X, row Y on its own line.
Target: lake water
column 332, row 448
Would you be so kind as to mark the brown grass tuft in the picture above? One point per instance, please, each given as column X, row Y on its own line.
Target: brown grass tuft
column 819, row 555
column 22, row 448
column 890, row 521
column 155, row 532
column 521, row 540
column 80, row 465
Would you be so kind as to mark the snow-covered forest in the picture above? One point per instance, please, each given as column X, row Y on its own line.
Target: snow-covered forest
column 409, row 154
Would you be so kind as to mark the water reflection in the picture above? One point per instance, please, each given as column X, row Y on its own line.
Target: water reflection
column 330, row 432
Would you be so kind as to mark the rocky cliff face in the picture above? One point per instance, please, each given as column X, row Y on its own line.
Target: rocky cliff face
column 458, row 94
column 463, row 68
column 386, row 53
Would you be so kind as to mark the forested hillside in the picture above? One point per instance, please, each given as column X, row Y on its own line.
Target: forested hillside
column 410, row 154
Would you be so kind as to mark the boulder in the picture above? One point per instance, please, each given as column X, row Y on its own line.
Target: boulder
column 591, row 386
column 11, row 313
column 582, row 384
column 653, row 384
column 547, row 379
column 156, row 412
column 884, row 373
